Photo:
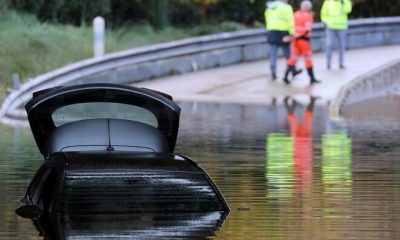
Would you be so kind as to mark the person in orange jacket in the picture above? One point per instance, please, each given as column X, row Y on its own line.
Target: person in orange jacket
column 301, row 46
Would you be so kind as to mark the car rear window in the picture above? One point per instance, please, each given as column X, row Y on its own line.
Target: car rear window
column 95, row 110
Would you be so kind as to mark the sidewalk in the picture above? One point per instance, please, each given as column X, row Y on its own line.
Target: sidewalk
column 249, row 83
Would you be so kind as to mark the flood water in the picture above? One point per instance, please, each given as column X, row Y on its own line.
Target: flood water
column 286, row 170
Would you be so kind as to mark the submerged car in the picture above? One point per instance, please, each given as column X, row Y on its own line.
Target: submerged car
column 109, row 151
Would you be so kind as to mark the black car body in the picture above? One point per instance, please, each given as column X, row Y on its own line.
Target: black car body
column 108, row 153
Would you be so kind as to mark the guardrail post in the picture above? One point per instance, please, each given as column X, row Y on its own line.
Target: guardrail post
column 16, row 81
column 98, row 36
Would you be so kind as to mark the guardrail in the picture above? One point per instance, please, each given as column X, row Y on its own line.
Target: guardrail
column 187, row 55
column 376, row 83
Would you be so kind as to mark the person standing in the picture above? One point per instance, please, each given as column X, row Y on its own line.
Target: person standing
column 301, row 46
column 279, row 24
column 334, row 14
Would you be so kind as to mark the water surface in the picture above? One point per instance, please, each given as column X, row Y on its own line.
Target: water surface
column 286, row 172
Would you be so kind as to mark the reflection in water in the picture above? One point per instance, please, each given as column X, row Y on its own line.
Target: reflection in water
column 337, row 176
column 291, row 175
column 289, row 158
column 132, row 226
column 279, row 165
column 303, row 151
column 16, row 169
column 336, row 161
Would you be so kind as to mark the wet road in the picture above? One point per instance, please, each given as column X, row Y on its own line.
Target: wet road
column 286, row 170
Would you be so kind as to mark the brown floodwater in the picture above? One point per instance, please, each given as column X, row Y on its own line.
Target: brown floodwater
column 286, row 171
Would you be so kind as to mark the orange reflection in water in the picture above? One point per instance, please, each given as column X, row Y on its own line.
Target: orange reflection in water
column 301, row 131
column 290, row 158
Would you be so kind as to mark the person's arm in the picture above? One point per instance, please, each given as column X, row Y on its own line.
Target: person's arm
column 309, row 23
column 324, row 12
column 346, row 6
column 290, row 17
column 266, row 17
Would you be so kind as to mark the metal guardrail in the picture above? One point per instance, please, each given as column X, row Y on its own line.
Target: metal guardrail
column 373, row 84
column 11, row 107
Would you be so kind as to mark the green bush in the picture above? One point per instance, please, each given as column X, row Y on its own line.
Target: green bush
column 232, row 26
column 64, row 11
column 181, row 13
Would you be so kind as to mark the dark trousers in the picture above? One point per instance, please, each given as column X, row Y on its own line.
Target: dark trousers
column 273, row 54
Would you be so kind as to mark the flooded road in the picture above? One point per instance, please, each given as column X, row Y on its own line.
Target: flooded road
column 286, row 170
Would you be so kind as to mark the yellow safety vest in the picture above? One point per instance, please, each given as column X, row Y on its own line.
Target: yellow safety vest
column 334, row 14
column 280, row 18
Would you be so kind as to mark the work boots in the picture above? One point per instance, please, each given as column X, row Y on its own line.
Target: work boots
column 312, row 78
column 293, row 70
column 297, row 72
column 273, row 76
column 289, row 69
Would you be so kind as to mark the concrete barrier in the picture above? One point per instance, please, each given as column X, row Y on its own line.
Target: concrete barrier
column 376, row 83
column 188, row 55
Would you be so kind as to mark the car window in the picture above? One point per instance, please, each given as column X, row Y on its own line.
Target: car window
column 94, row 110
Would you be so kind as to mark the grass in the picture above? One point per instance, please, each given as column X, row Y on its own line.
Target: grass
column 30, row 48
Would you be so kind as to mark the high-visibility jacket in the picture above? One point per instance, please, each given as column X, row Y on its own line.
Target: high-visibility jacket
column 279, row 17
column 334, row 14
column 303, row 21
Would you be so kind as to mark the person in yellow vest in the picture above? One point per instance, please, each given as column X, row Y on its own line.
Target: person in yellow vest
column 334, row 16
column 280, row 27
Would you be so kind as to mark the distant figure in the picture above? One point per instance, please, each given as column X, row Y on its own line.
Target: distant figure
column 279, row 24
column 334, row 15
column 301, row 46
